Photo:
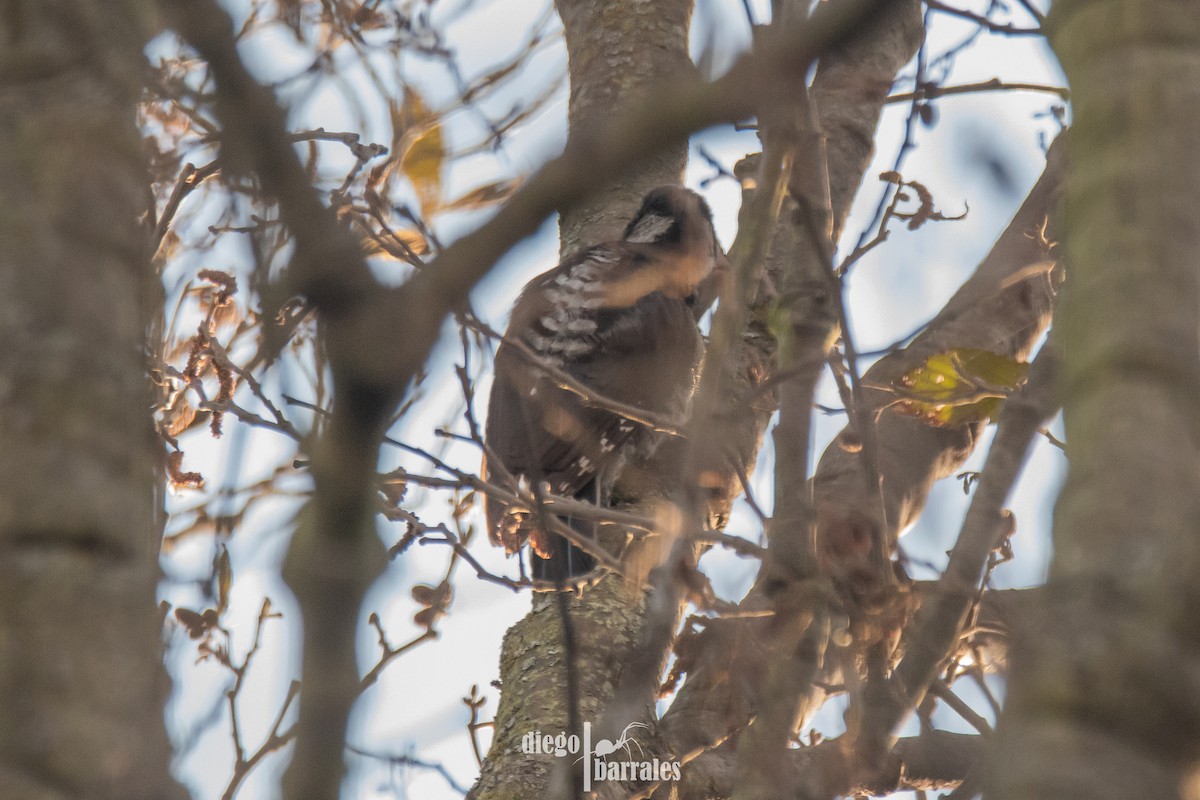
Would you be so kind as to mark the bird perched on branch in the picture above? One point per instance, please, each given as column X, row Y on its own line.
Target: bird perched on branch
column 618, row 322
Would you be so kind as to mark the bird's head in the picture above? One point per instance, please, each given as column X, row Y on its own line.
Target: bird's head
column 666, row 214
column 675, row 226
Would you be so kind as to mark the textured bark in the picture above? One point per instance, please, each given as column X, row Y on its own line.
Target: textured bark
column 933, row 761
column 81, row 682
column 1103, row 693
column 533, row 665
column 619, row 52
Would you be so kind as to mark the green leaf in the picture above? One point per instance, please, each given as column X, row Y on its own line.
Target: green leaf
column 959, row 386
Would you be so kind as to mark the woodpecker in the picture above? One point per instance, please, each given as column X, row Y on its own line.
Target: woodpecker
column 620, row 319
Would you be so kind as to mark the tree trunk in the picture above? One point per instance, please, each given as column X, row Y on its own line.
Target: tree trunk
column 81, row 681
column 1102, row 701
column 617, row 52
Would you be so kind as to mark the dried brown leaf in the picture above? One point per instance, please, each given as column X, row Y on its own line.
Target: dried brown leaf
column 179, row 479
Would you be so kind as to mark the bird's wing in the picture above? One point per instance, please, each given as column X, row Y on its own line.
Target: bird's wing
column 536, row 428
column 642, row 353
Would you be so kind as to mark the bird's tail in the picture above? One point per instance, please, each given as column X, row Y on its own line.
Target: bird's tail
column 567, row 560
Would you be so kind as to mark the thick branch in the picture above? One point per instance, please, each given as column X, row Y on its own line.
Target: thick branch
column 81, row 679
column 1103, row 696
column 933, row 761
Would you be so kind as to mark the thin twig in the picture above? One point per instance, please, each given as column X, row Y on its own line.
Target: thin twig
column 1006, row 28
column 943, row 692
column 190, row 178
column 931, row 92
column 409, row 761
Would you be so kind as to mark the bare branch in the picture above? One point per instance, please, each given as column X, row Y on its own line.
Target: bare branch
column 928, row 92
column 1006, row 28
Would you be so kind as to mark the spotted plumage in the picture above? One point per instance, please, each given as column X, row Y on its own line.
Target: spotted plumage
column 617, row 318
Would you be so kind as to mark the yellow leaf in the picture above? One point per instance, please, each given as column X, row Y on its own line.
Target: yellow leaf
column 425, row 151
column 391, row 245
column 485, row 195
column 959, row 386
